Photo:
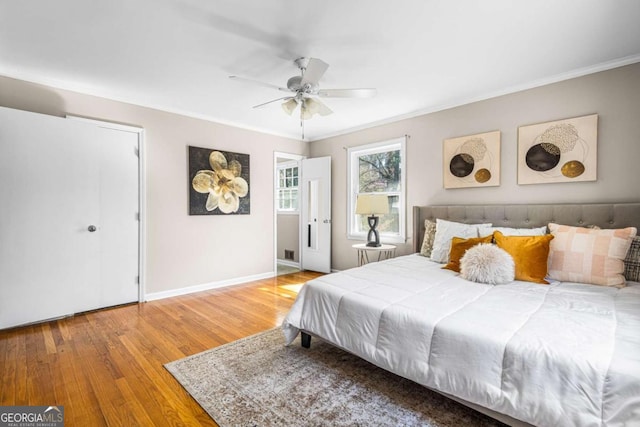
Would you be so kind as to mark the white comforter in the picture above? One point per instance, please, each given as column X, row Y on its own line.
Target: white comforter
column 557, row 355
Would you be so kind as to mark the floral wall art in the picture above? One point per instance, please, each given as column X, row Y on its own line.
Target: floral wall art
column 218, row 182
column 472, row 161
column 558, row 151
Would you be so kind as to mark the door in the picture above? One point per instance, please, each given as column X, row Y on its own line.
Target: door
column 316, row 214
column 61, row 243
column 118, row 224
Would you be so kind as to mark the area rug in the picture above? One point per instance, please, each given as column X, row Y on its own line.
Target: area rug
column 257, row 381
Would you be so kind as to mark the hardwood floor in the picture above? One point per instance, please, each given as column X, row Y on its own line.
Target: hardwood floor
column 106, row 367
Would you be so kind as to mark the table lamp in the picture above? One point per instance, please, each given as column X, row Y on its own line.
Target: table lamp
column 372, row 204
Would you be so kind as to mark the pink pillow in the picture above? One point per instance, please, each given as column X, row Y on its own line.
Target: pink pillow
column 586, row 255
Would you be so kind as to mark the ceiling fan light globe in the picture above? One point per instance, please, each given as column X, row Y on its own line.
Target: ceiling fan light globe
column 305, row 114
column 289, row 106
column 312, row 106
column 315, row 106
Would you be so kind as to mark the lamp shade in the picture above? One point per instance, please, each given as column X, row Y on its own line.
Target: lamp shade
column 370, row 204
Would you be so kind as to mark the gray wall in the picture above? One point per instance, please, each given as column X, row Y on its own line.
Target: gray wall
column 182, row 250
column 614, row 95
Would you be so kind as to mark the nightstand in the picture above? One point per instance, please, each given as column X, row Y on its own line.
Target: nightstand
column 383, row 251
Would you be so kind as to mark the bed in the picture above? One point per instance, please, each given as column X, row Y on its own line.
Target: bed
column 561, row 354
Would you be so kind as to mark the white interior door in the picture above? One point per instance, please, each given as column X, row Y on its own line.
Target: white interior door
column 43, row 226
column 117, row 223
column 57, row 178
column 316, row 214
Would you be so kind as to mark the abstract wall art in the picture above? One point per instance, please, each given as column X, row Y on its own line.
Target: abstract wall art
column 472, row 161
column 558, row 151
column 218, row 182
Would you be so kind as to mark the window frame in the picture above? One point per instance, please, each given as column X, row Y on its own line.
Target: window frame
column 353, row 153
column 284, row 166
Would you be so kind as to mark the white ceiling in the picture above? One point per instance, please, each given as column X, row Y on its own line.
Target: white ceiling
column 421, row 55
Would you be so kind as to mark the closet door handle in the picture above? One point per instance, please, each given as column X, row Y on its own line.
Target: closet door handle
column 91, row 228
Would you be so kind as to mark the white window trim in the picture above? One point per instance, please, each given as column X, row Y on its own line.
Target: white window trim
column 352, row 176
column 287, row 165
column 288, row 212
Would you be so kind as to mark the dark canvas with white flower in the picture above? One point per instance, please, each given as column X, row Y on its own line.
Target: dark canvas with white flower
column 218, row 182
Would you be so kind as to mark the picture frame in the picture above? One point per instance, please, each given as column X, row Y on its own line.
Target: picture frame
column 472, row 160
column 219, row 182
column 558, row 151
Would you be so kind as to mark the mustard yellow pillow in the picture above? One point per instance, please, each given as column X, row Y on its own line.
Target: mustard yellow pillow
column 530, row 254
column 459, row 246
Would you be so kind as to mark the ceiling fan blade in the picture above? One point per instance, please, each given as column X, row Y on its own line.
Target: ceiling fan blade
column 314, row 71
column 348, row 93
column 273, row 100
column 259, row 83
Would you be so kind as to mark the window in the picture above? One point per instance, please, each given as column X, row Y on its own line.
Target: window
column 378, row 168
column 287, row 187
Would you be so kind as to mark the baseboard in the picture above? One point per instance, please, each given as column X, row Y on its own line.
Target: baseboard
column 297, row 264
column 289, row 263
column 152, row 296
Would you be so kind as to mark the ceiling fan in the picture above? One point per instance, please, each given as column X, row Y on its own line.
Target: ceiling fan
column 305, row 90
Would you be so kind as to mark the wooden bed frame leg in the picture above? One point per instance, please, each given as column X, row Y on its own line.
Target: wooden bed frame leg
column 305, row 340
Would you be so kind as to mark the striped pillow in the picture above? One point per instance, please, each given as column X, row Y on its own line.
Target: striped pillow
column 585, row 255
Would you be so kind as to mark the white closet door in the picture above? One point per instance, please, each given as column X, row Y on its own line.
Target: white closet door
column 117, row 224
column 52, row 181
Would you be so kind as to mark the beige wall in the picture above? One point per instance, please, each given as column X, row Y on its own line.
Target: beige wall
column 614, row 95
column 185, row 251
column 289, row 235
column 182, row 250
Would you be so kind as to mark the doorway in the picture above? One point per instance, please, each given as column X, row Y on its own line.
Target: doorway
column 287, row 213
column 302, row 213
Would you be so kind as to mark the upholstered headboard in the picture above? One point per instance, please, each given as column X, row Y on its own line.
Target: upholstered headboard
column 604, row 215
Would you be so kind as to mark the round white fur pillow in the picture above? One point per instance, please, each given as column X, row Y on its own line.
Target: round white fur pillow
column 487, row 263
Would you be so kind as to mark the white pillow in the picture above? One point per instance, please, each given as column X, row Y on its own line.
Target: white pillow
column 508, row 231
column 447, row 230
